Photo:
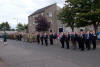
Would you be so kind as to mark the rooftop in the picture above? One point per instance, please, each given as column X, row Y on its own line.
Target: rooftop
column 42, row 9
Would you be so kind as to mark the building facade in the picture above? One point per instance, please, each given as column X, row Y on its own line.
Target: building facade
column 50, row 12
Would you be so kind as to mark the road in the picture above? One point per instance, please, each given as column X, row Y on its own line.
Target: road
column 24, row 54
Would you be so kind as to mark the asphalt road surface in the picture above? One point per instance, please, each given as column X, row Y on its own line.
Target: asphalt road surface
column 24, row 54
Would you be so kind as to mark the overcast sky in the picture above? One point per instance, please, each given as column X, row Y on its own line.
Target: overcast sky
column 15, row 11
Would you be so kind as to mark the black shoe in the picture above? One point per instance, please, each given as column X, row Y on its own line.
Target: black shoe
column 62, row 47
column 94, row 48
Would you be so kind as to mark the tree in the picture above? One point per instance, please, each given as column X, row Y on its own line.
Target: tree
column 25, row 26
column 81, row 13
column 88, row 12
column 68, row 16
column 5, row 26
column 42, row 23
column 20, row 27
column 12, row 29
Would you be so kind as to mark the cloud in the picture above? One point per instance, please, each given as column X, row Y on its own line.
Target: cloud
column 21, row 9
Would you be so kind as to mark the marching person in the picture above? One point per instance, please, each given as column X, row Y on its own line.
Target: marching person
column 20, row 37
column 38, row 38
column 81, row 41
column 87, row 40
column 67, row 39
column 78, row 41
column 51, row 38
column 62, row 39
column 55, row 37
column 46, row 39
column 41, row 38
column 74, row 39
column 93, row 40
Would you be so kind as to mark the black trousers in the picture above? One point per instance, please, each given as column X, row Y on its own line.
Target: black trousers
column 51, row 41
column 94, row 44
column 81, row 46
column 5, row 40
column 74, row 44
column 20, row 38
column 42, row 41
column 62, row 43
column 88, row 44
column 38, row 40
column 46, row 42
column 67, row 44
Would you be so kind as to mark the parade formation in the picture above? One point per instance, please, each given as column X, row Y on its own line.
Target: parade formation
column 72, row 40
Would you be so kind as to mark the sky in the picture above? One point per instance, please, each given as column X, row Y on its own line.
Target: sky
column 15, row 11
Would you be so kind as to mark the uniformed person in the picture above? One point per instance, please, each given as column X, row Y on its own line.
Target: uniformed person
column 93, row 40
column 74, row 40
column 81, row 41
column 78, row 41
column 62, row 39
column 41, row 38
column 67, row 39
column 87, row 40
column 51, row 38
column 55, row 37
column 38, row 38
column 46, row 39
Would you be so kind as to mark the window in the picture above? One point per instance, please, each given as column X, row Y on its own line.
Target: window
column 50, row 14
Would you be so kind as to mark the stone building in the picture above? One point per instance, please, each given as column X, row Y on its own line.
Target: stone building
column 50, row 12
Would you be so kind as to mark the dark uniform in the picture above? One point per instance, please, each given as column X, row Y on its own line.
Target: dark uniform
column 81, row 41
column 93, row 40
column 62, row 40
column 74, row 40
column 87, row 41
column 20, row 37
column 67, row 39
column 41, row 38
column 46, row 39
column 38, row 38
column 78, row 41
column 54, row 36
column 51, row 39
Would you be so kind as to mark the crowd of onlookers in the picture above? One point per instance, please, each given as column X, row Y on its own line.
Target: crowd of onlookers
column 79, row 40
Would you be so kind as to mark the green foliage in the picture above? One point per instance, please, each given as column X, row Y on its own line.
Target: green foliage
column 89, row 13
column 21, row 27
column 25, row 26
column 5, row 26
column 12, row 29
column 68, row 16
column 81, row 13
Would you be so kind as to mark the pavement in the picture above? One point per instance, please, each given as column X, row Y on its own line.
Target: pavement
column 2, row 63
column 24, row 54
